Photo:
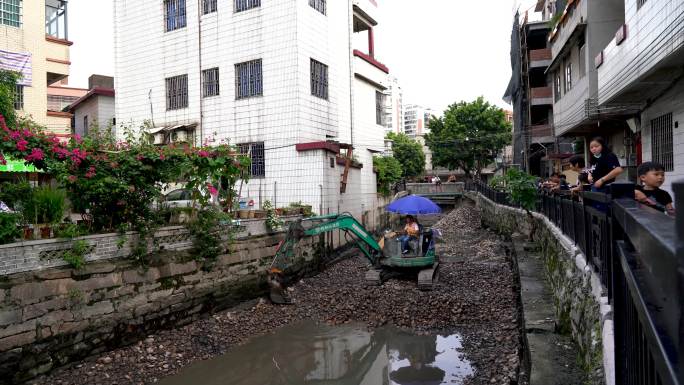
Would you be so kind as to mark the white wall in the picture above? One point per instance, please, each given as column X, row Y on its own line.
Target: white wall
column 672, row 102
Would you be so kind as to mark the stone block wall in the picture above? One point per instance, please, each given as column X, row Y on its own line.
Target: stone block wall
column 51, row 314
column 580, row 301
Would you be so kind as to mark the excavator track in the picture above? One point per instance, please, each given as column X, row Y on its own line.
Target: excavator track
column 428, row 277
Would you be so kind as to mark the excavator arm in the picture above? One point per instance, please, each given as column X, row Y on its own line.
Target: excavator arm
column 310, row 227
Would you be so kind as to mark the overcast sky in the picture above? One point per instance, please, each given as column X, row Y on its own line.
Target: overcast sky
column 442, row 51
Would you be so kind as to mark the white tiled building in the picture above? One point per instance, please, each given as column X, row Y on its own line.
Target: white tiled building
column 394, row 106
column 281, row 79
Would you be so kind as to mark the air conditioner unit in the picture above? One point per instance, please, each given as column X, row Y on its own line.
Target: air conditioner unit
column 180, row 136
column 159, row 138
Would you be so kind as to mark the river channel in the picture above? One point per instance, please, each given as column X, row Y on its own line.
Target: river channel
column 309, row 353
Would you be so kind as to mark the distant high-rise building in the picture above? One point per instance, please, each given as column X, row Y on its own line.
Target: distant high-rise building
column 394, row 106
column 417, row 120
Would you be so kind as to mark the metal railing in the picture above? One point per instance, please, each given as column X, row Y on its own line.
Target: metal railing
column 638, row 253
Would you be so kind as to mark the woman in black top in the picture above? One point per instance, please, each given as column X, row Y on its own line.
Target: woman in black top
column 604, row 164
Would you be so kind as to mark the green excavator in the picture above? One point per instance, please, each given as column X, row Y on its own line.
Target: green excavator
column 386, row 262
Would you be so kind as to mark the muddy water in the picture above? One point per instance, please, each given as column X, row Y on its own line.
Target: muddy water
column 310, row 354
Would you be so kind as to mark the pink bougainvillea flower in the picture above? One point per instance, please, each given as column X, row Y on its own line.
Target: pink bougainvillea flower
column 78, row 138
column 161, row 156
column 3, row 123
column 15, row 135
column 36, row 154
column 212, row 190
column 3, row 161
column 61, row 152
column 202, row 154
column 139, row 157
column 78, row 153
column 21, row 145
column 72, row 178
column 91, row 172
column 27, row 133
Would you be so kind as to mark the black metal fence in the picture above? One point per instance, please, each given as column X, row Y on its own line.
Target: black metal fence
column 638, row 253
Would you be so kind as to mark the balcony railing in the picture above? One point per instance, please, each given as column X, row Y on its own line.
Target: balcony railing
column 59, row 102
column 540, row 131
column 541, row 92
column 637, row 254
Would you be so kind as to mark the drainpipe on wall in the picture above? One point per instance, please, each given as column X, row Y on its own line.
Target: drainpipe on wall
column 199, row 42
column 350, row 24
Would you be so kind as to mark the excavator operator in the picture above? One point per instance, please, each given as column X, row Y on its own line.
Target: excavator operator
column 411, row 231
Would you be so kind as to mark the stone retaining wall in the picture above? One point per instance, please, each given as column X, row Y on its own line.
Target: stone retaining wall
column 580, row 301
column 52, row 314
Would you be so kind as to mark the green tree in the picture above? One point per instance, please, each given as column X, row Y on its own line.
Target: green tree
column 409, row 153
column 8, row 87
column 389, row 171
column 468, row 136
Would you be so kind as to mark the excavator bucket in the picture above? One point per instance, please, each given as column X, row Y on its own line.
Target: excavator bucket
column 277, row 291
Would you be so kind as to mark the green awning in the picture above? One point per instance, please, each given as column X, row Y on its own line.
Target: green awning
column 17, row 166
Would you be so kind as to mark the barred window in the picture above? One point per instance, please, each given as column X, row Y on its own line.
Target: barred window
column 558, row 86
column 379, row 106
column 662, row 141
column 10, row 12
column 318, row 5
column 582, row 61
column 174, row 15
column 248, row 79
column 319, row 79
column 176, row 92
column 210, row 82
column 208, row 6
column 19, row 97
column 640, row 3
column 568, row 77
column 243, row 5
column 257, row 154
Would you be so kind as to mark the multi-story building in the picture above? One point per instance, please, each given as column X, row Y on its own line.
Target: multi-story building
column 640, row 72
column 34, row 42
column 394, row 106
column 281, row 80
column 95, row 109
column 580, row 32
column 416, row 125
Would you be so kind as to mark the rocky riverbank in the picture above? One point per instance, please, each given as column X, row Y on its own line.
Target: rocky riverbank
column 476, row 297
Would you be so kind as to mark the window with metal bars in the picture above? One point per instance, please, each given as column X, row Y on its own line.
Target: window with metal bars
column 379, row 106
column 568, row 76
column 243, row 5
column 210, row 82
column 174, row 15
column 640, row 3
column 209, row 6
column 318, row 5
column 257, row 154
column 319, row 79
column 558, row 87
column 177, row 92
column 662, row 141
column 248, row 79
column 19, row 97
column 10, row 12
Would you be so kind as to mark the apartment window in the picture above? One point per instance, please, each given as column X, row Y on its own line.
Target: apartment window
column 661, row 141
column 243, row 5
column 319, row 79
column 56, row 18
column 379, row 103
column 176, row 92
column 582, row 61
column 318, row 5
column 257, row 154
column 209, row 6
column 19, row 97
column 640, row 3
column 248, row 79
column 557, row 83
column 210, row 82
column 10, row 12
column 174, row 15
column 85, row 125
column 568, row 76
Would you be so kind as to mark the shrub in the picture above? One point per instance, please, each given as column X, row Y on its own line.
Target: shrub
column 9, row 231
column 273, row 221
column 206, row 232
column 50, row 204
column 523, row 189
column 389, row 172
column 76, row 256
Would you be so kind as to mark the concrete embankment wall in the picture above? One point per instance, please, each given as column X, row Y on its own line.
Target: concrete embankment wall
column 51, row 314
column 580, row 301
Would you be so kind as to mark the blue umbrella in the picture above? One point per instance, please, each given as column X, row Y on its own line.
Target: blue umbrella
column 413, row 205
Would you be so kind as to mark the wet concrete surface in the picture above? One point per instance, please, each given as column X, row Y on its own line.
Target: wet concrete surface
column 553, row 356
column 309, row 353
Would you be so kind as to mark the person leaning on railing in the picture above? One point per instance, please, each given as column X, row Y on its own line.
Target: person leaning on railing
column 605, row 166
column 648, row 192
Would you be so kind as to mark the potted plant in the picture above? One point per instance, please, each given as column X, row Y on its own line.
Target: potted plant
column 50, row 204
column 9, row 231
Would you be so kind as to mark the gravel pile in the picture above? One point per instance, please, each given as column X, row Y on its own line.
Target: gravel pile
column 475, row 297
